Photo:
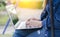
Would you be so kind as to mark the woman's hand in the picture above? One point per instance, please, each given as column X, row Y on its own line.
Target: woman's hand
column 33, row 22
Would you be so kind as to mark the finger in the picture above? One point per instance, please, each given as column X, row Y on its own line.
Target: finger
column 27, row 23
column 28, row 19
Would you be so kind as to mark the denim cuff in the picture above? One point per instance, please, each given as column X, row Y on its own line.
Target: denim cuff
column 44, row 22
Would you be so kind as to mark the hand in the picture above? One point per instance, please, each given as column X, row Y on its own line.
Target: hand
column 34, row 23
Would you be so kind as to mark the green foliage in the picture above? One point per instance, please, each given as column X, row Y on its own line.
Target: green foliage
column 6, row 35
column 3, row 20
column 2, row 5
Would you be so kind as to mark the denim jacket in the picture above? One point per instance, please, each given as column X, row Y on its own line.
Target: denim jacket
column 45, row 17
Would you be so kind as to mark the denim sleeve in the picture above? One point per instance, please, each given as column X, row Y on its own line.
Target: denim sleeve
column 44, row 17
column 44, row 22
column 44, row 14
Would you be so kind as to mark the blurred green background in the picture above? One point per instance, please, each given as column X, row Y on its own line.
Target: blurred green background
column 6, row 35
column 3, row 18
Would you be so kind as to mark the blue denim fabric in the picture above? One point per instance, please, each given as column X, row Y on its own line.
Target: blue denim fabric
column 31, row 32
column 46, row 20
